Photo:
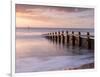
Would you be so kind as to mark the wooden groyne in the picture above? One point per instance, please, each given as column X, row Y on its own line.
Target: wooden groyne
column 72, row 38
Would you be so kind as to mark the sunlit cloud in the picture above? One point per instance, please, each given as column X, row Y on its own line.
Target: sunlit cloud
column 45, row 16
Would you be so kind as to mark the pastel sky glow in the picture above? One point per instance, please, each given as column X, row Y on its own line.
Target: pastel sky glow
column 54, row 17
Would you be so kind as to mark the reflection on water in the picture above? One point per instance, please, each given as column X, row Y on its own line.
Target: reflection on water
column 37, row 47
column 36, row 53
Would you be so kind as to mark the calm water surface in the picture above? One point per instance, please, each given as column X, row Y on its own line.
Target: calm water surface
column 35, row 53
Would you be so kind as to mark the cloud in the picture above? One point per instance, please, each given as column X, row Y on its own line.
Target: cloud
column 47, row 16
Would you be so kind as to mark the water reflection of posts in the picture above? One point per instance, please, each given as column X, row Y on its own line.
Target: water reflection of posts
column 88, row 41
column 73, row 39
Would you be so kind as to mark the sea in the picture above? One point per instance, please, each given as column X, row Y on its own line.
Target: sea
column 35, row 53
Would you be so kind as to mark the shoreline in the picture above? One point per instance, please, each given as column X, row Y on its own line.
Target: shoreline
column 84, row 66
column 87, row 66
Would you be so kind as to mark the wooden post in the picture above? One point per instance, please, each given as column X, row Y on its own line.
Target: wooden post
column 59, row 37
column 67, row 36
column 79, row 39
column 47, row 35
column 53, row 36
column 50, row 35
column 88, row 40
column 63, row 37
column 56, row 37
column 73, row 39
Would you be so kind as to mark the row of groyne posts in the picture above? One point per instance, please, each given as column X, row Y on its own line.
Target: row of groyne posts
column 72, row 39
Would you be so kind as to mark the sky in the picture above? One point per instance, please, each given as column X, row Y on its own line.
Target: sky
column 54, row 16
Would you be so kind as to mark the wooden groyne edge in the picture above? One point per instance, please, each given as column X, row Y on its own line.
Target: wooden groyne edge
column 74, row 39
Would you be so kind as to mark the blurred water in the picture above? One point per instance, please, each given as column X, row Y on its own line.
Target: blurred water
column 36, row 53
